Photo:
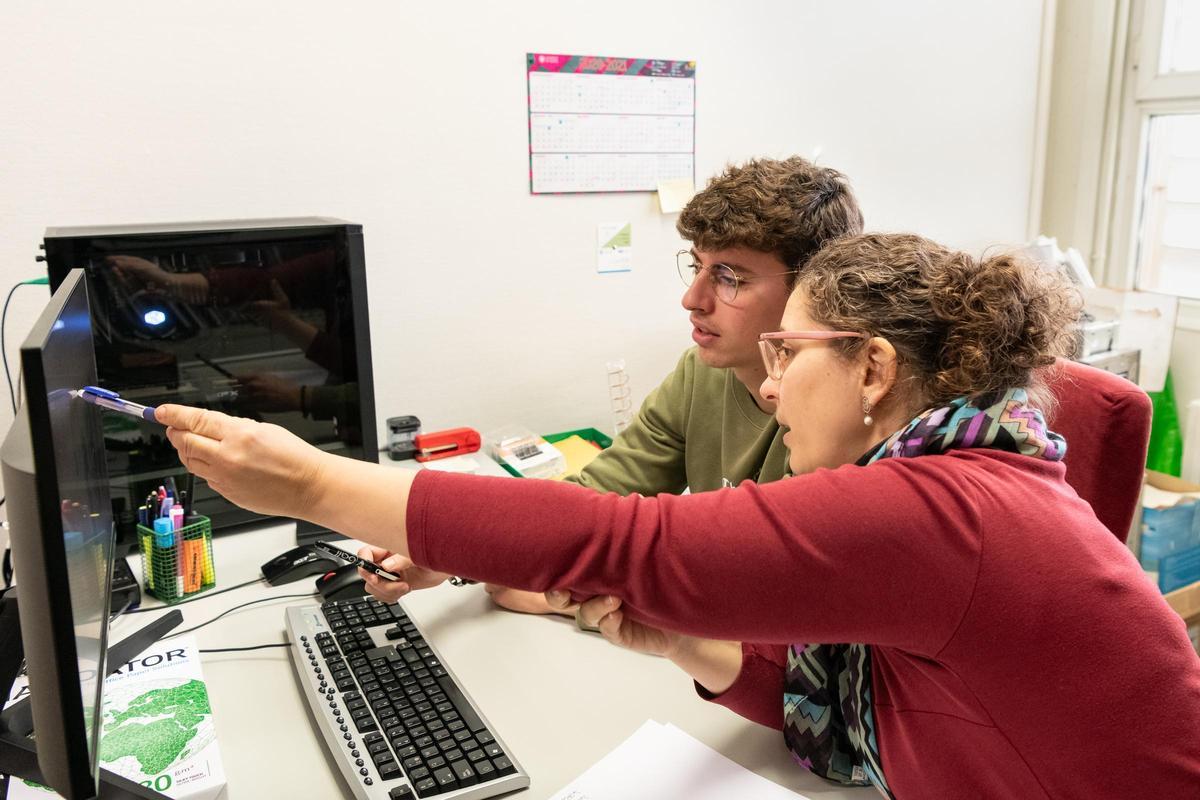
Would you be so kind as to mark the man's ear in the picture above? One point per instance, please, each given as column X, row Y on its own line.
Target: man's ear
column 879, row 369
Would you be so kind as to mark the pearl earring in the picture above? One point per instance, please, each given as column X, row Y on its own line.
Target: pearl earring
column 868, row 420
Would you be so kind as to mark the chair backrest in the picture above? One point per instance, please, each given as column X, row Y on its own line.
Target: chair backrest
column 1106, row 422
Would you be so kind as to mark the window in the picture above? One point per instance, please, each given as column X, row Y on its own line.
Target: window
column 1164, row 115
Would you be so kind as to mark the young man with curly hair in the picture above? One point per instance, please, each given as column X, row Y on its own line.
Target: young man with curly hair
column 706, row 426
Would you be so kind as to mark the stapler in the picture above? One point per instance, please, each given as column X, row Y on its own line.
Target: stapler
column 443, row 444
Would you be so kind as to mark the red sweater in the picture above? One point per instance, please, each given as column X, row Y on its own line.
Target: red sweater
column 1017, row 649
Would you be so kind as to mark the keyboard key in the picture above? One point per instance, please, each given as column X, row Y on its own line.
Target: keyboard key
column 503, row 765
column 455, row 696
column 435, row 763
column 485, row 770
column 465, row 774
column 427, row 787
column 401, row 793
column 493, row 750
column 475, row 756
column 388, row 770
column 445, row 778
column 419, row 774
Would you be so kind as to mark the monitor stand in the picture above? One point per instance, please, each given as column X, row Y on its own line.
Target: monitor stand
column 308, row 532
column 18, row 753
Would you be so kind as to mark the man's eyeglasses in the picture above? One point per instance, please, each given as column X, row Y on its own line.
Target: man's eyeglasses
column 776, row 355
column 725, row 281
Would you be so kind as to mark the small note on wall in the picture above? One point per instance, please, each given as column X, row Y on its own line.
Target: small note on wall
column 674, row 194
column 614, row 247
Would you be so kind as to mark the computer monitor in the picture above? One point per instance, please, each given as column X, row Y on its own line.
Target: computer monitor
column 260, row 318
column 60, row 518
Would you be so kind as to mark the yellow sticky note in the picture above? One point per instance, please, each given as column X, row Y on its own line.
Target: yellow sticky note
column 674, row 194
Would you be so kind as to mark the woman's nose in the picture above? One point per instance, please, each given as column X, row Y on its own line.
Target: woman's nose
column 769, row 389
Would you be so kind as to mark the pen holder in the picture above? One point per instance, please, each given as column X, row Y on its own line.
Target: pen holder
column 177, row 564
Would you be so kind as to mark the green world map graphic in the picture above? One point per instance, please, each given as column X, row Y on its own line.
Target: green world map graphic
column 156, row 727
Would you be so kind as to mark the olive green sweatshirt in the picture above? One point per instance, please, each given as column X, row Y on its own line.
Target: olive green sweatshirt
column 700, row 429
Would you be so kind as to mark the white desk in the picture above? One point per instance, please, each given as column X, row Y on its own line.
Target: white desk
column 560, row 698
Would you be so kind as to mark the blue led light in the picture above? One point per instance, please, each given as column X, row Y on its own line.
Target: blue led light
column 155, row 317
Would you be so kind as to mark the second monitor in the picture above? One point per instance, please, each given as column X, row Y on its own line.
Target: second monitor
column 259, row 318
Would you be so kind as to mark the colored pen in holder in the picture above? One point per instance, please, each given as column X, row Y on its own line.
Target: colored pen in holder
column 177, row 558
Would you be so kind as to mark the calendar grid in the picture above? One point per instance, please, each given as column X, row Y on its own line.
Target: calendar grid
column 603, row 124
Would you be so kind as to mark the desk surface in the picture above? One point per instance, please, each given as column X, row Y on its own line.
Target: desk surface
column 561, row 698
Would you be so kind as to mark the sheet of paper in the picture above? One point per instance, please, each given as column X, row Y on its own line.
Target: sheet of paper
column 635, row 771
column 614, row 243
column 1147, row 324
column 578, row 452
column 674, row 194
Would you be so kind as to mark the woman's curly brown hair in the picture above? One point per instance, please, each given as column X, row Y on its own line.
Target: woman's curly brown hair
column 788, row 208
column 960, row 325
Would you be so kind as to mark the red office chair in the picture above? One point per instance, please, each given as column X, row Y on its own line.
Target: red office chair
column 1106, row 422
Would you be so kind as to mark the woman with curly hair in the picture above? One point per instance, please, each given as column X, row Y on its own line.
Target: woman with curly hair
column 933, row 610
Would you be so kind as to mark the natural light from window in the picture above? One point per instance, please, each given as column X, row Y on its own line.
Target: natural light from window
column 1181, row 37
column 1169, row 241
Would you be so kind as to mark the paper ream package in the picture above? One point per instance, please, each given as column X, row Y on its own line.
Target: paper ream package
column 158, row 726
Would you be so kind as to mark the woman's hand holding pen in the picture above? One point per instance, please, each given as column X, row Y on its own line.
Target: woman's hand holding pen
column 258, row 466
column 411, row 576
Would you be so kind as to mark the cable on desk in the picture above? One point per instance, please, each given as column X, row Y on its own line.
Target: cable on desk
column 202, row 596
column 252, row 647
column 235, row 608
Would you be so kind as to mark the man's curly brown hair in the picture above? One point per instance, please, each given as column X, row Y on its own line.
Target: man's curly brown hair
column 788, row 208
column 960, row 325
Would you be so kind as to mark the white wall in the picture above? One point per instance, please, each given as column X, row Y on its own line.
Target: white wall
column 411, row 119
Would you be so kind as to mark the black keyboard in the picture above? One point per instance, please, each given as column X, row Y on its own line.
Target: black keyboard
column 395, row 718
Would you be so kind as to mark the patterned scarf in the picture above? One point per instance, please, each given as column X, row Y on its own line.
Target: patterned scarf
column 829, row 724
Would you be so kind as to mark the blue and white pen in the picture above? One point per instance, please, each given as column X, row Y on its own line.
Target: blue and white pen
column 112, row 401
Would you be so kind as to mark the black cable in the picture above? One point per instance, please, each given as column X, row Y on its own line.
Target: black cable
column 252, row 647
column 202, row 596
column 235, row 608
column 12, row 397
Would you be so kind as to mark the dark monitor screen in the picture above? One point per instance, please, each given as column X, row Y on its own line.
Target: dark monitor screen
column 60, row 517
column 264, row 320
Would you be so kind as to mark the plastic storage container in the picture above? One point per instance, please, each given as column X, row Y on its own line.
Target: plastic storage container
column 1170, row 544
column 525, row 454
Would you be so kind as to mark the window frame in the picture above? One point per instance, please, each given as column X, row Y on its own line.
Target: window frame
column 1145, row 94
